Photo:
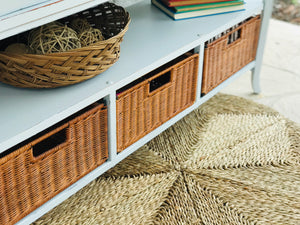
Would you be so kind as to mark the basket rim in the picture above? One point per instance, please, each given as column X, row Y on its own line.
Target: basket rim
column 121, row 33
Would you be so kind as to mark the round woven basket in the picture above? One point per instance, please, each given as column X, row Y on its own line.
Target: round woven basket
column 74, row 66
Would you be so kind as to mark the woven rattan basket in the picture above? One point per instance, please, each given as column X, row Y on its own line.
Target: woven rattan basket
column 152, row 100
column 229, row 53
column 35, row 171
column 74, row 66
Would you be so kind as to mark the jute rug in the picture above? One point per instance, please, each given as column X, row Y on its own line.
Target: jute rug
column 231, row 161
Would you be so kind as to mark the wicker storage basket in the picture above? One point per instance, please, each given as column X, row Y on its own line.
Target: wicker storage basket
column 74, row 66
column 33, row 172
column 152, row 100
column 229, row 53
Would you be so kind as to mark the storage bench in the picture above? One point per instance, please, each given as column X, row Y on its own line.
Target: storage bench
column 152, row 40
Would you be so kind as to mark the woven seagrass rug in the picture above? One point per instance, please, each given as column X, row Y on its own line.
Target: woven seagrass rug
column 231, row 161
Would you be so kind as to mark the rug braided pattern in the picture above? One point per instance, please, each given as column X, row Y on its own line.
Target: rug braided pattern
column 231, row 161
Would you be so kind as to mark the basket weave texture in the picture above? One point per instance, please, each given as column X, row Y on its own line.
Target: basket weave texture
column 33, row 173
column 224, row 57
column 140, row 110
column 74, row 66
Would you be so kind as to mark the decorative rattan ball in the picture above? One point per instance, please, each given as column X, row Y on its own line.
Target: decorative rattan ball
column 80, row 24
column 90, row 36
column 18, row 48
column 53, row 37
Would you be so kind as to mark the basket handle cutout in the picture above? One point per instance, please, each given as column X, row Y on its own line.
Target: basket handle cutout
column 160, row 82
column 49, row 143
column 234, row 36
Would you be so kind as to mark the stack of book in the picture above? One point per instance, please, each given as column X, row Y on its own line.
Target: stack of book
column 184, row 9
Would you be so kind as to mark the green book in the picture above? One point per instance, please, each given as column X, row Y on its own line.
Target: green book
column 208, row 6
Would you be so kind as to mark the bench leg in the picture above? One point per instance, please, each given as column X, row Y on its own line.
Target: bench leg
column 266, row 14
